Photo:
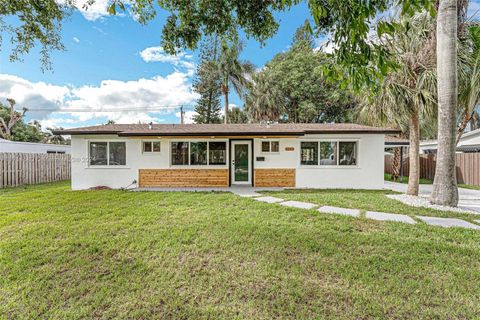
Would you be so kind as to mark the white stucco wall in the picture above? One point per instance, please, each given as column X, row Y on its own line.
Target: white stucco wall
column 368, row 174
column 85, row 176
column 31, row 147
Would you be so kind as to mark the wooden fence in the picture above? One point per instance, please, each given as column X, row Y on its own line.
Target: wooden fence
column 31, row 168
column 468, row 167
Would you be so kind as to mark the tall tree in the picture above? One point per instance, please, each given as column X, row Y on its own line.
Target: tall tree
column 293, row 88
column 237, row 115
column 207, row 84
column 9, row 117
column 408, row 93
column 264, row 101
column 233, row 72
column 469, row 80
column 445, row 191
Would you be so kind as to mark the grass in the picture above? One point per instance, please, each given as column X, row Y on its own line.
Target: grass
column 468, row 186
column 365, row 200
column 388, row 177
column 113, row 254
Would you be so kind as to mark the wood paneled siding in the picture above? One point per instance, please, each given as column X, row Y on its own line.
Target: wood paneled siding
column 183, row 178
column 274, row 177
column 17, row 169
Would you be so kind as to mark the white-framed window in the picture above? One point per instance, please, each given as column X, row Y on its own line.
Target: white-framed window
column 198, row 153
column 329, row 153
column 151, row 146
column 107, row 153
column 270, row 146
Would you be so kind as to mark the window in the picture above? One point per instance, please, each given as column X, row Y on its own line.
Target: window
column 328, row 153
column 347, row 153
column 117, row 154
column 309, row 153
column 108, row 154
column 198, row 153
column 270, row 146
column 180, row 153
column 98, row 153
column 151, row 146
column 217, row 153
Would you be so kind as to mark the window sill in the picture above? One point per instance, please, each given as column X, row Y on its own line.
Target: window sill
column 107, row 167
column 328, row 167
column 218, row 166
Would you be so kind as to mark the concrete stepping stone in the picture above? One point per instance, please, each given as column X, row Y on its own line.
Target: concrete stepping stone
column 337, row 210
column 269, row 199
column 477, row 221
column 298, row 204
column 383, row 216
column 448, row 222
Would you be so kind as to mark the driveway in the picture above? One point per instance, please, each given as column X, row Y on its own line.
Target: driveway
column 469, row 199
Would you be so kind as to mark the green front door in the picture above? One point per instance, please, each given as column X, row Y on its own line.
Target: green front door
column 241, row 164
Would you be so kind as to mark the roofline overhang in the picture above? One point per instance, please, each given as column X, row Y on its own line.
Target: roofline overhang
column 392, row 144
column 207, row 134
column 222, row 134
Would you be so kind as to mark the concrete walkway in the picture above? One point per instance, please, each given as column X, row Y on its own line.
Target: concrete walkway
column 468, row 199
column 379, row 216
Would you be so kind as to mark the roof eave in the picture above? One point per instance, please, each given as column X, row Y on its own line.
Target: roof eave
column 206, row 134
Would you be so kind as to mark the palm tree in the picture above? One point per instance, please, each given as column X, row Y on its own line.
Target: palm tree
column 407, row 95
column 469, row 80
column 233, row 71
column 264, row 101
column 445, row 191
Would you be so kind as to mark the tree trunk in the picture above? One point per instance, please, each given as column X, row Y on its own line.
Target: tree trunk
column 225, row 94
column 396, row 164
column 445, row 190
column 414, row 156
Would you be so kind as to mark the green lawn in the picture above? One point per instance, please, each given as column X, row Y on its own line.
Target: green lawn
column 365, row 200
column 113, row 254
column 388, row 177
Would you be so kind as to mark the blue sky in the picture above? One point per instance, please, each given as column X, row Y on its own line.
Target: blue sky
column 113, row 62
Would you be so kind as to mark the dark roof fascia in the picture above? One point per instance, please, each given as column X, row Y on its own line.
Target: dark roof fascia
column 388, row 131
column 206, row 134
column 73, row 132
column 397, row 143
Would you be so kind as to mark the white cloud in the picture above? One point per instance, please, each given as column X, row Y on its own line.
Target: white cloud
column 158, row 54
column 67, row 106
column 76, row 39
column 94, row 11
column 187, row 116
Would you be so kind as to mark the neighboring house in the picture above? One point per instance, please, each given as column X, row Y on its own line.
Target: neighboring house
column 469, row 142
column 32, row 147
column 218, row 155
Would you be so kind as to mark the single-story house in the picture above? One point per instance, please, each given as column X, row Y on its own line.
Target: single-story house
column 469, row 142
column 221, row 155
column 32, row 147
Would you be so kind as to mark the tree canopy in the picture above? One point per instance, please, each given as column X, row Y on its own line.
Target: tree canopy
column 292, row 87
column 36, row 22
